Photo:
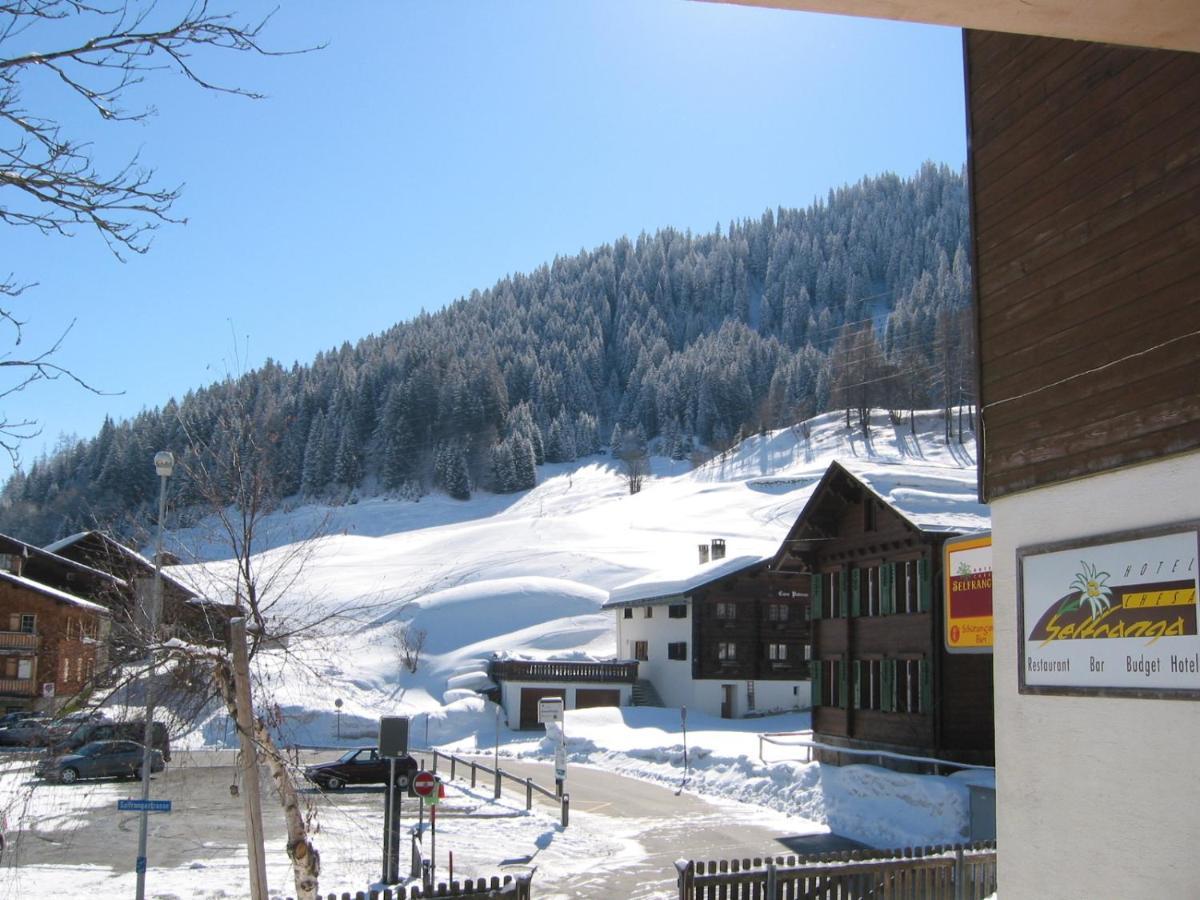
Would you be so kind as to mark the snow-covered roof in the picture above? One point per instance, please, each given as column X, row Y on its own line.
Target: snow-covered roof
column 934, row 499
column 48, row 591
column 666, row 584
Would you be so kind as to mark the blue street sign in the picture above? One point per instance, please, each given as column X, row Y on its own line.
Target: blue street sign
column 148, row 805
column 141, row 865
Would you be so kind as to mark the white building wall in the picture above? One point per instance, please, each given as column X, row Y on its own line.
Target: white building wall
column 1097, row 797
column 673, row 678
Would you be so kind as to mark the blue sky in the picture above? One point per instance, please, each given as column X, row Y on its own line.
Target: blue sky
column 434, row 147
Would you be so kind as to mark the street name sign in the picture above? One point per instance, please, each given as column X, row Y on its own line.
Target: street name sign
column 144, row 805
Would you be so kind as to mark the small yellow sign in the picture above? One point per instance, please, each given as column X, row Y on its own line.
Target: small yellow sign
column 967, row 564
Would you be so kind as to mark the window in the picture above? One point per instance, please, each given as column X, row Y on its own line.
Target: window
column 777, row 652
column 641, row 650
column 726, row 651
column 677, row 650
column 869, row 515
column 28, row 623
column 649, row 612
column 777, row 612
column 874, row 607
column 629, row 612
column 677, row 611
column 906, row 587
column 79, row 668
column 66, row 672
column 749, row 695
column 726, row 610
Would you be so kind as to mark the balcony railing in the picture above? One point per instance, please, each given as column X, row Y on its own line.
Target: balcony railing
column 563, row 670
column 17, row 687
column 18, row 640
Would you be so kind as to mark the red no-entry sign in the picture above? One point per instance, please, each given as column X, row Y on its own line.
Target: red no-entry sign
column 424, row 783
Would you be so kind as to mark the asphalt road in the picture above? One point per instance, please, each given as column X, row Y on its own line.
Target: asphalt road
column 623, row 840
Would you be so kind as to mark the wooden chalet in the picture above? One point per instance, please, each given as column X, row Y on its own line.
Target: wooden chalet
column 881, row 677
column 184, row 613
column 53, row 643
column 726, row 636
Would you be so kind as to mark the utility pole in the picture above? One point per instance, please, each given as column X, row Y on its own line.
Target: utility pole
column 164, row 465
column 248, row 757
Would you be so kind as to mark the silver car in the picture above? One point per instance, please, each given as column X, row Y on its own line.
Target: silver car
column 97, row 760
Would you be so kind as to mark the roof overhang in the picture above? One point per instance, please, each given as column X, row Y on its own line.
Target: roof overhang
column 1163, row 24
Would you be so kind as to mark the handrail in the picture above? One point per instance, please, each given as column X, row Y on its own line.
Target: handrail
column 853, row 751
column 564, row 670
column 498, row 774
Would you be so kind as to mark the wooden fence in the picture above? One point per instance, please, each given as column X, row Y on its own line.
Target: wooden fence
column 509, row 888
column 961, row 872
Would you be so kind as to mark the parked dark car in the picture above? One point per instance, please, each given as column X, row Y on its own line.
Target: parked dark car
column 105, row 730
column 12, row 718
column 97, row 760
column 362, row 766
column 31, row 732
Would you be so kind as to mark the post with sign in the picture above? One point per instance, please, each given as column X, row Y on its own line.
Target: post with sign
column 550, row 714
column 393, row 743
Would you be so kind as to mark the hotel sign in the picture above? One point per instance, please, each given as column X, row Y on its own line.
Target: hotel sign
column 968, row 594
column 1113, row 615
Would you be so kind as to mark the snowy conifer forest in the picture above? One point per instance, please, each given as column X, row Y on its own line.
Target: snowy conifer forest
column 680, row 340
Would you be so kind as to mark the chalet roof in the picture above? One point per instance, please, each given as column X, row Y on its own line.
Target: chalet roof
column 47, row 591
column 669, row 584
column 12, row 545
column 109, row 544
column 931, row 500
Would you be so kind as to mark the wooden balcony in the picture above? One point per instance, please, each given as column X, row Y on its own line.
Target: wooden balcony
column 563, row 670
column 18, row 640
column 17, row 687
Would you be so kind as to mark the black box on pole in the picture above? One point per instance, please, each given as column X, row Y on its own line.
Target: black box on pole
column 393, row 736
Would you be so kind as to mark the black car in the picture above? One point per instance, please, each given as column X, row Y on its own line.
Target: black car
column 362, row 766
column 97, row 760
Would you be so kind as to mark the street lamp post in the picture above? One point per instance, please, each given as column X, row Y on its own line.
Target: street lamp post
column 164, row 465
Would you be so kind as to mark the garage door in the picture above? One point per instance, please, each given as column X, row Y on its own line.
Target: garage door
column 586, row 698
column 529, row 701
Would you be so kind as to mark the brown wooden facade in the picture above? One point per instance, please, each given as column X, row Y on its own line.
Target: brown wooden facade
column 752, row 626
column 881, row 677
column 1085, row 170
column 47, row 637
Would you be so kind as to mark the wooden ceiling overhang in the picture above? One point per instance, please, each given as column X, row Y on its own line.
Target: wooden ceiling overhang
column 1162, row 24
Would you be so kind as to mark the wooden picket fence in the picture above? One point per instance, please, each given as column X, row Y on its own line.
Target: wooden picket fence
column 509, row 888
column 959, row 872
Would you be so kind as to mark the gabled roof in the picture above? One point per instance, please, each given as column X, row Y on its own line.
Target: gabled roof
column 12, row 545
column 913, row 495
column 108, row 545
column 666, row 585
column 47, row 591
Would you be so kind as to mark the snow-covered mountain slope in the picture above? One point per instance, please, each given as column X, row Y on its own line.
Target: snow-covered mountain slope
column 527, row 573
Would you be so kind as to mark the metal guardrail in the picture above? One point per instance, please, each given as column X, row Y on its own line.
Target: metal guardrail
column 528, row 785
column 810, row 745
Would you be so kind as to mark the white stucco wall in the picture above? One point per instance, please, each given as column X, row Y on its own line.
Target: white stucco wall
column 673, row 678
column 1097, row 797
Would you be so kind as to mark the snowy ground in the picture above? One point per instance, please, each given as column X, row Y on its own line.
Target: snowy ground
column 526, row 574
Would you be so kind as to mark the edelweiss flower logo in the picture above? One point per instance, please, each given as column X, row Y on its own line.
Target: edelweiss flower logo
column 1093, row 589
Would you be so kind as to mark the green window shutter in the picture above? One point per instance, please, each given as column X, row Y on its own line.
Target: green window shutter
column 924, row 588
column 857, row 684
column 855, row 592
column 926, row 676
column 816, row 683
column 816, row 586
column 843, row 588
column 887, row 677
column 843, row 687
column 887, row 581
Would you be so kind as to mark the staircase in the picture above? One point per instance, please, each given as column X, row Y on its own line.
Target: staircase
column 645, row 694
